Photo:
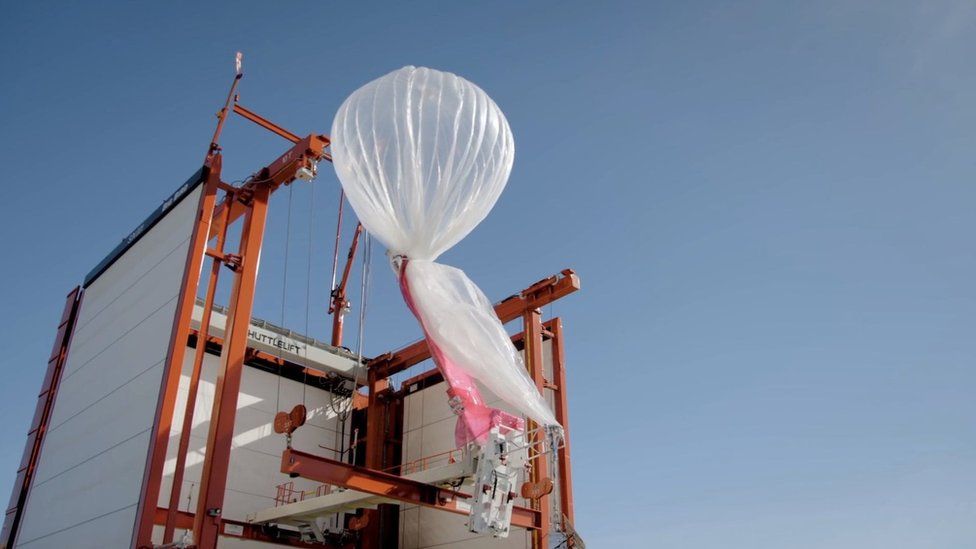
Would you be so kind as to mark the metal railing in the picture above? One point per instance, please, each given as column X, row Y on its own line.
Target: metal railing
column 286, row 493
column 427, row 462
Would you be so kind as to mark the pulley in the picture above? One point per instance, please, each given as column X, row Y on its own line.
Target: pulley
column 286, row 423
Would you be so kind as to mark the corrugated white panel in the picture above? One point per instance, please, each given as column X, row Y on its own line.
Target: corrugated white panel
column 422, row 527
column 92, row 463
column 429, row 430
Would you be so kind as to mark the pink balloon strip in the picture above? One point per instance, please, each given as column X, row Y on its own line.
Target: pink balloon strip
column 475, row 418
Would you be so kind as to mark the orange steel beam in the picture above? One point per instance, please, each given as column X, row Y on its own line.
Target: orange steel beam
column 383, row 439
column 265, row 123
column 371, row 481
column 562, row 416
column 213, row 480
column 338, row 303
column 282, row 171
column 540, row 467
column 184, row 519
column 166, row 402
column 377, row 420
column 42, row 417
column 191, row 399
column 221, row 119
column 537, row 295
column 250, row 201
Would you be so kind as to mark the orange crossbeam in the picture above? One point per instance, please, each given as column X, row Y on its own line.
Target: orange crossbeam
column 265, row 123
column 371, row 481
column 280, row 172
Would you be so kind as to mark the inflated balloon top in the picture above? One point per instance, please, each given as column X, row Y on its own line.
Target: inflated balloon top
column 426, row 153
column 423, row 156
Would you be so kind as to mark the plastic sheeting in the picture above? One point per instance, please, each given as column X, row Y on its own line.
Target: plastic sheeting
column 423, row 156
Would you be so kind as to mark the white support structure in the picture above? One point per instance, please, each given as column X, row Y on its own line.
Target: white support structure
column 496, row 483
column 286, row 344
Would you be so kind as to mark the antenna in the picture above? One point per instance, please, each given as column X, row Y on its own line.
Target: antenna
column 222, row 113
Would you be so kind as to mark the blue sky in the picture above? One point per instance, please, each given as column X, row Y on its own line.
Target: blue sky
column 770, row 205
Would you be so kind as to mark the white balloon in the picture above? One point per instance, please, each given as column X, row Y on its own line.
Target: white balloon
column 423, row 156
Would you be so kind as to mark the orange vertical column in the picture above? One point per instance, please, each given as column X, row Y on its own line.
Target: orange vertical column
column 562, row 416
column 42, row 417
column 191, row 398
column 149, row 495
column 540, row 466
column 213, row 484
column 376, row 420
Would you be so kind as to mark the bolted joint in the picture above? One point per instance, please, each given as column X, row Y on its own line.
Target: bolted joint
column 245, row 195
column 233, row 262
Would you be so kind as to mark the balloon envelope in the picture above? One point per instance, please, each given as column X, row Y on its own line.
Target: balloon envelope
column 422, row 155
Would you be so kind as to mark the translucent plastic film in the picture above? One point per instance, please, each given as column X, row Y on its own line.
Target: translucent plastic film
column 457, row 315
column 423, row 156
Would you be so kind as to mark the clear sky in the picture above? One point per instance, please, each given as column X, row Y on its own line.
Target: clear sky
column 770, row 205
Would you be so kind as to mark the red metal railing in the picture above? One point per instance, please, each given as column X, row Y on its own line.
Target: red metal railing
column 286, row 493
column 426, row 462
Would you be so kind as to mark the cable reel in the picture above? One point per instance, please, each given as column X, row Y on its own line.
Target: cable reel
column 286, row 423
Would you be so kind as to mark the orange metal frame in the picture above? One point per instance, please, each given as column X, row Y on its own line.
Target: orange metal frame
column 337, row 305
column 42, row 418
column 532, row 320
column 220, row 205
column 250, row 202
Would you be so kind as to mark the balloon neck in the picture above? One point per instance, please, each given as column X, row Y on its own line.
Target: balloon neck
column 398, row 262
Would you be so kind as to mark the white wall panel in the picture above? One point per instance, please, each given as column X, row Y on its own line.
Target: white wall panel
column 98, row 533
column 255, row 463
column 422, row 527
column 103, row 425
column 92, row 463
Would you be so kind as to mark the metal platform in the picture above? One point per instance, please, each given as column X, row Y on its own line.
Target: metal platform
column 287, row 344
